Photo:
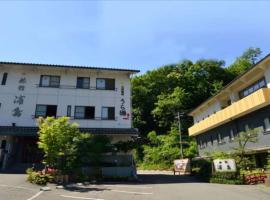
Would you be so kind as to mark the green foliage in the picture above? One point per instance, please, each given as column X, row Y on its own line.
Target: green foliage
column 220, row 155
column 161, row 149
column 245, row 61
column 66, row 148
column 125, row 146
column 267, row 166
column 190, row 150
column 251, row 172
column 243, row 161
column 202, row 168
column 56, row 139
column 226, row 178
column 38, row 178
column 168, row 104
column 158, row 94
column 90, row 149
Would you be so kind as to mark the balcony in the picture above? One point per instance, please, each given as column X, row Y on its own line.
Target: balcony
column 254, row 101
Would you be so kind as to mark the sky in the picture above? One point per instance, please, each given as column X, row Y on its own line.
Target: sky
column 131, row 34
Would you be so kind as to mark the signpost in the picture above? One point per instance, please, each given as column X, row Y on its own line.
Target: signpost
column 182, row 166
column 224, row 165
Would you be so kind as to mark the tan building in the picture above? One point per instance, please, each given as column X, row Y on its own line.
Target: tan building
column 241, row 105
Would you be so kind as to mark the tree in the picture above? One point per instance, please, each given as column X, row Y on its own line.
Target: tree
column 267, row 166
column 56, row 139
column 244, row 62
column 90, row 150
column 159, row 94
column 66, row 148
column 241, row 151
column 167, row 106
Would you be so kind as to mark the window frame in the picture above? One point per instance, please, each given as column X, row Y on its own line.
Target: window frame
column 220, row 138
column 4, row 78
column 261, row 83
column 83, row 84
column 45, row 115
column 69, row 107
column 50, row 81
column 106, row 84
column 231, row 135
column 108, row 113
column 84, row 112
column 265, row 129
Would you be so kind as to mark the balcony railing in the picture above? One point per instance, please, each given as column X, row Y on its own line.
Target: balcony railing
column 74, row 118
column 254, row 101
column 73, row 87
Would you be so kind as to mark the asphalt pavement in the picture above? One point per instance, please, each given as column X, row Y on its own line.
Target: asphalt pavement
column 149, row 187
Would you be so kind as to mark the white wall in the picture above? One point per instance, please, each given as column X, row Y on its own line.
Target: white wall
column 267, row 76
column 207, row 112
column 62, row 97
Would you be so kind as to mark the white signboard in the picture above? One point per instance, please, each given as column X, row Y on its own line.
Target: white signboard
column 182, row 165
column 224, row 165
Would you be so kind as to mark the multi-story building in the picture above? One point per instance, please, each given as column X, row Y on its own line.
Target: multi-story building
column 98, row 99
column 241, row 105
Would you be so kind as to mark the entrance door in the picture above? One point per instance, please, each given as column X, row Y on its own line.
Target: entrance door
column 30, row 153
column 3, row 145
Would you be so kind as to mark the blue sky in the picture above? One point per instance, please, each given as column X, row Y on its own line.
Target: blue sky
column 131, row 34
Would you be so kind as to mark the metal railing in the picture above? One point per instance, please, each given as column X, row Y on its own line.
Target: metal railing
column 73, row 87
column 75, row 118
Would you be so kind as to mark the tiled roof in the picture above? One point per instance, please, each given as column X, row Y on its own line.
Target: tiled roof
column 68, row 66
column 32, row 131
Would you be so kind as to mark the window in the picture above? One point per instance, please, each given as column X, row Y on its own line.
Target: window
column 4, row 79
column 220, row 138
column 105, row 84
column 83, row 82
column 69, row 111
column 3, row 144
column 46, row 111
column 247, row 127
column 49, row 81
column 212, row 140
column 231, row 136
column 108, row 113
column 84, row 112
column 252, row 88
column 205, row 142
column 266, row 124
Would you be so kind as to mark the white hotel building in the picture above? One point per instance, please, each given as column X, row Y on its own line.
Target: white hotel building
column 98, row 99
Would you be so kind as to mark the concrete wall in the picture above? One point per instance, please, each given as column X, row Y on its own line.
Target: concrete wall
column 207, row 112
column 253, row 120
column 62, row 97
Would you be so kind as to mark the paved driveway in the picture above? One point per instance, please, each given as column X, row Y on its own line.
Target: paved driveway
column 151, row 187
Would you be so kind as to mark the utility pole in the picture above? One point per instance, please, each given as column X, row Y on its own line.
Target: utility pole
column 180, row 135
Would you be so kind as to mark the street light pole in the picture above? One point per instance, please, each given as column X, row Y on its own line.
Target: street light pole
column 180, row 135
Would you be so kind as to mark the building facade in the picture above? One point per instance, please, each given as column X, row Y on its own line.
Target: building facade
column 98, row 99
column 241, row 105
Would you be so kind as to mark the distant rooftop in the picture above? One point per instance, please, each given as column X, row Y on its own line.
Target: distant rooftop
column 68, row 66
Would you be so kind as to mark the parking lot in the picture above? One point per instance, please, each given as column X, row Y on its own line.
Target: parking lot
column 151, row 186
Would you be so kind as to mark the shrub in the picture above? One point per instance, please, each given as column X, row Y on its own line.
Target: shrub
column 226, row 178
column 38, row 177
column 202, row 168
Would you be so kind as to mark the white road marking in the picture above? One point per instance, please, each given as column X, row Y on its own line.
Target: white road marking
column 17, row 187
column 73, row 197
column 36, row 195
column 128, row 192
column 131, row 186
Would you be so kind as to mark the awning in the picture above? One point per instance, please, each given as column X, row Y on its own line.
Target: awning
column 32, row 131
